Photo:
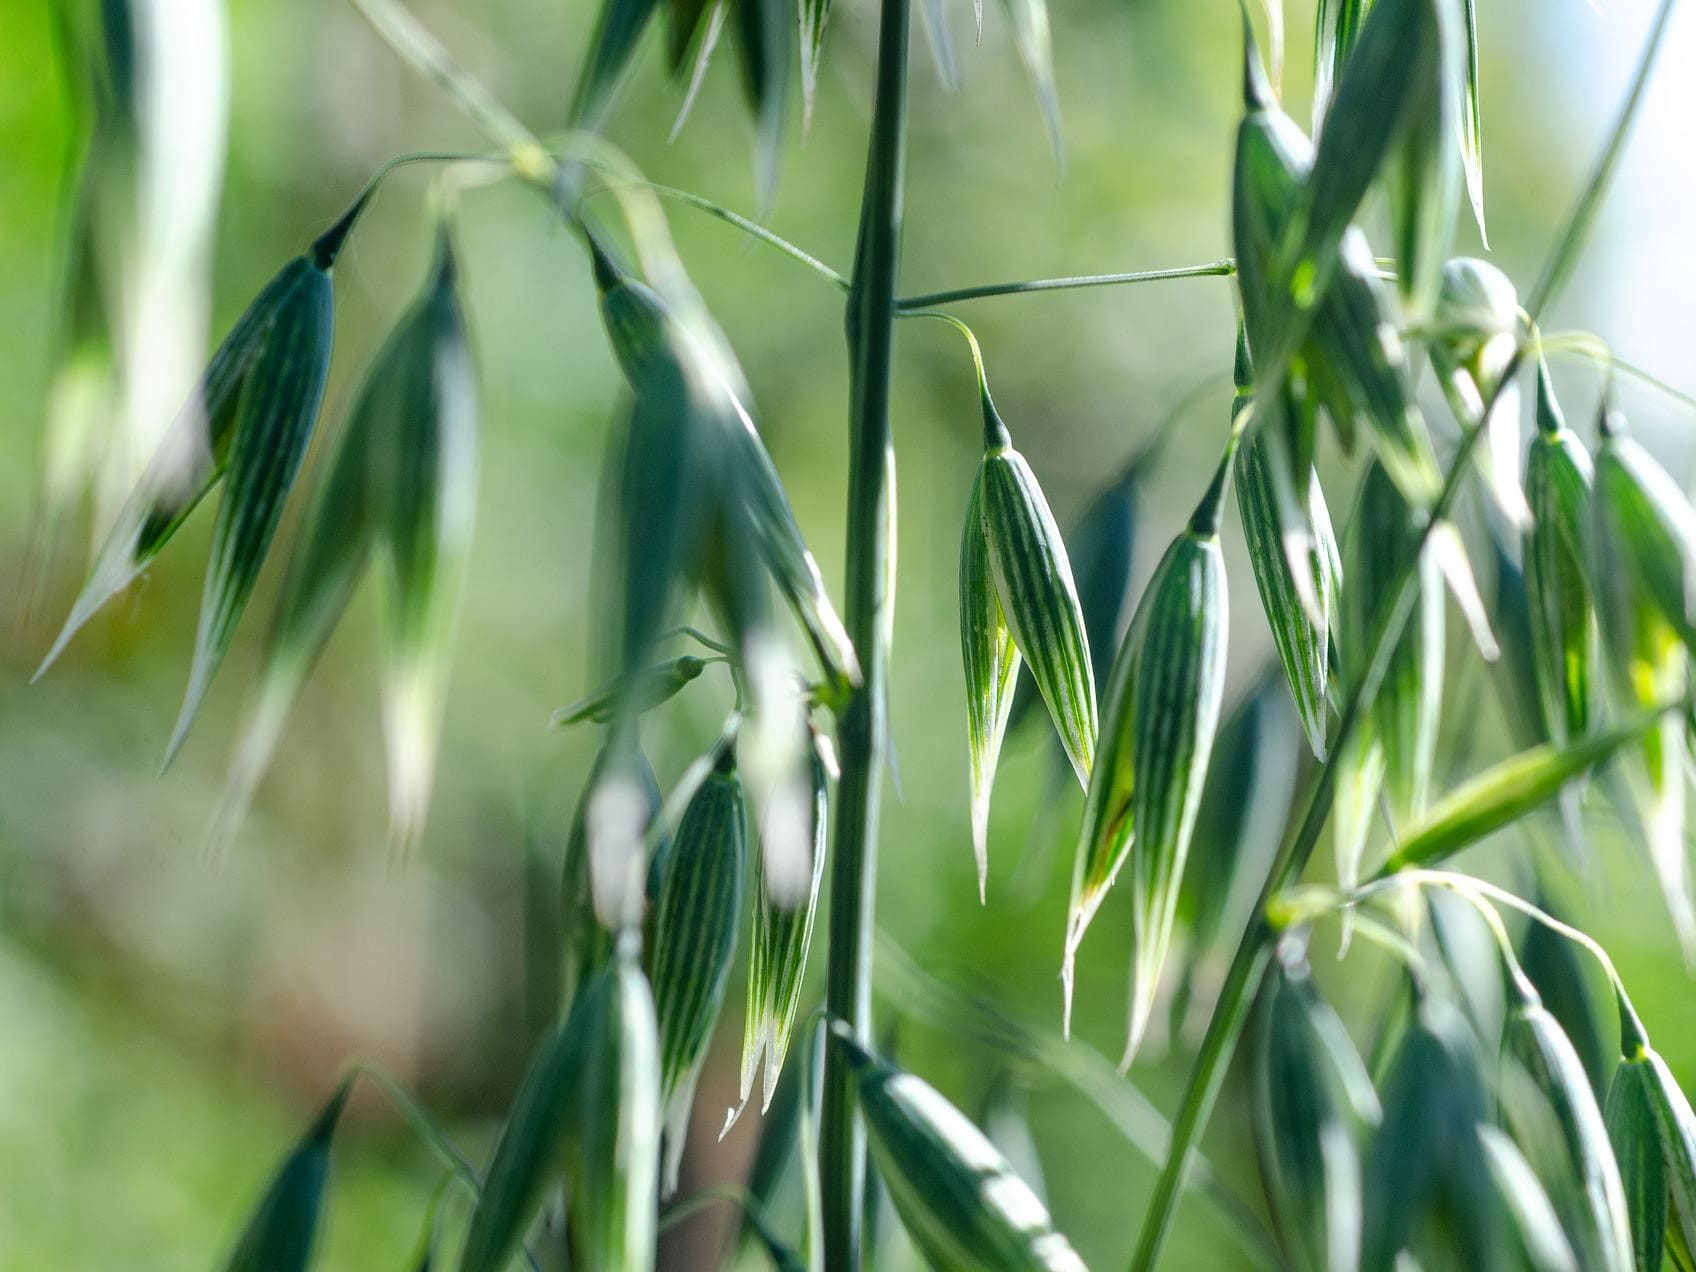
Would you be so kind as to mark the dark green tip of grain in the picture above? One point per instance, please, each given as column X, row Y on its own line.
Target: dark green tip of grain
column 607, row 273
column 322, row 1129
column 1242, row 369
column 1549, row 418
column 1633, row 1038
column 1257, row 91
column 995, row 432
column 328, row 245
column 447, row 264
column 1204, row 521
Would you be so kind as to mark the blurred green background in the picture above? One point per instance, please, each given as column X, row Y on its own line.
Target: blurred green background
column 167, row 1025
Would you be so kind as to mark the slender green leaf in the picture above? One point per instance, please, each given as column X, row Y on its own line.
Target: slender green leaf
column 959, row 1199
column 1501, row 795
column 618, row 29
column 282, row 1231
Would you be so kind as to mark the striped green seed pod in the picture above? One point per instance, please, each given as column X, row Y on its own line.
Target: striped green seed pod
column 1163, row 703
column 1314, row 1102
column 283, row 1229
column 1556, row 1112
column 1475, row 343
column 1558, row 480
column 694, row 450
column 777, row 958
column 992, row 670
column 1675, row 1124
column 424, row 497
column 612, row 1138
column 957, row 1196
column 1301, row 637
column 1039, row 600
column 1633, row 1129
column 1352, row 343
column 402, row 486
column 1640, row 507
column 696, row 920
column 249, row 420
column 1428, row 1183
column 1382, row 534
column 1643, row 543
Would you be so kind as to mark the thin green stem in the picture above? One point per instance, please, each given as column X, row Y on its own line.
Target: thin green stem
column 1632, row 1033
column 404, row 34
column 863, row 724
column 994, row 431
column 749, row 227
column 426, row 1126
column 1223, row 268
column 1567, row 248
column 1594, row 350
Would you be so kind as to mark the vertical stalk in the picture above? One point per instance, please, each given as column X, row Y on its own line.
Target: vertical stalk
column 870, row 333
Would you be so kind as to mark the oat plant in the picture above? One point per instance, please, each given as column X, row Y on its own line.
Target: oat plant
column 1441, row 1132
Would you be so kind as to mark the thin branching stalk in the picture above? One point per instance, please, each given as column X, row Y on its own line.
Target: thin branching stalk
column 1213, row 269
column 870, row 323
